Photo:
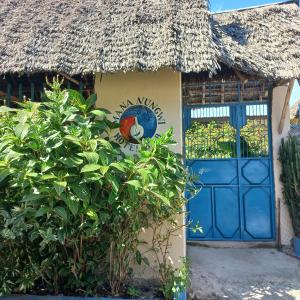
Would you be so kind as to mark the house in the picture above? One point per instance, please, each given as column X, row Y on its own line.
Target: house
column 222, row 81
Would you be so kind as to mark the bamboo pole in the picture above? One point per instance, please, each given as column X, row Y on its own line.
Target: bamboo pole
column 286, row 105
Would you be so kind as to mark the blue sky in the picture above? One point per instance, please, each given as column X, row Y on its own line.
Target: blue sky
column 220, row 5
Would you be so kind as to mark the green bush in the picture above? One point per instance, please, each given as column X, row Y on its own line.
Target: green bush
column 72, row 206
column 290, row 177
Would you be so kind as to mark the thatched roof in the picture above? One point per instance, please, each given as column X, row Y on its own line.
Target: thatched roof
column 262, row 41
column 76, row 36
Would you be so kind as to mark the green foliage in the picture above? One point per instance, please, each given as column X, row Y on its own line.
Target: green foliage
column 176, row 280
column 218, row 140
column 72, row 206
column 290, row 177
column 211, row 140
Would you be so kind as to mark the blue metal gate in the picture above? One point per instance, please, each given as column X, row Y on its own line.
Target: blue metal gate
column 228, row 152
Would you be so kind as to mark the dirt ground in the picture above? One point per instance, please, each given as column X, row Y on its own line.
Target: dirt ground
column 246, row 274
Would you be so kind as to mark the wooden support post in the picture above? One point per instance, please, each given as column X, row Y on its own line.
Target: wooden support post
column 240, row 76
column 286, row 105
column 222, row 93
column 262, row 91
column 203, row 93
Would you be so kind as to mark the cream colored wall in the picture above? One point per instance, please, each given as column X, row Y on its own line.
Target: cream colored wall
column 285, row 226
column 164, row 89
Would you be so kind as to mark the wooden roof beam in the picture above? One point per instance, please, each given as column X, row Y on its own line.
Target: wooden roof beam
column 71, row 79
column 282, row 82
column 240, row 76
column 286, row 105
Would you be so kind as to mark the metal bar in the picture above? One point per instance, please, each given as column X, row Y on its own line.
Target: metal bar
column 229, row 103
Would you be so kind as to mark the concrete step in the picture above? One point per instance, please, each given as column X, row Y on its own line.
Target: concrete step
column 233, row 244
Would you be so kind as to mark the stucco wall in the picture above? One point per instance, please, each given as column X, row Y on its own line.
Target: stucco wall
column 162, row 92
column 285, row 227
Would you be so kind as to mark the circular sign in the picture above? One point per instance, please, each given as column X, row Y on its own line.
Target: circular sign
column 137, row 122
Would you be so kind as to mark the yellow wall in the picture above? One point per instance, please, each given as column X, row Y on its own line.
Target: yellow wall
column 163, row 88
column 285, row 226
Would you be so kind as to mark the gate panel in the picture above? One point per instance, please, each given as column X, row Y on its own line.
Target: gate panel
column 201, row 212
column 257, row 213
column 227, row 212
column 227, row 149
column 208, row 171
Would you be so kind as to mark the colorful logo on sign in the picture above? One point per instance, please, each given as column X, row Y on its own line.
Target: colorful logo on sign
column 138, row 122
column 137, row 119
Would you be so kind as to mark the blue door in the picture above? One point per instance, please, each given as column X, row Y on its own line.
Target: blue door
column 228, row 152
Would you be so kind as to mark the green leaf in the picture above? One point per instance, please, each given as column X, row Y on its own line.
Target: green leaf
column 106, row 144
column 6, row 109
column 113, row 180
column 72, row 161
column 91, row 100
column 146, row 261
column 21, row 130
column 90, row 168
column 99, row 113
column 4, row 174
column 41, row 211
column 61, row 212
column 134, row 183
column 81, row 191
column 118, row 166
column 48, row 176
column 92, row 157
column 138, row 257
column 73, row 139
column 162, row 197
column 72, row 205
column 92, row 214
column 76, row 99
column 60, row 186
column 104, row 169
column 32, row 197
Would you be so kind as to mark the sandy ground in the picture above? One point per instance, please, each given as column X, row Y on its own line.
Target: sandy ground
column 246, row 274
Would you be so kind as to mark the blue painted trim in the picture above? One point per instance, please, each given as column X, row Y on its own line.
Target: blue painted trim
column 255, row 102
column 297, row 246
column 273, row 202
column 181, row 296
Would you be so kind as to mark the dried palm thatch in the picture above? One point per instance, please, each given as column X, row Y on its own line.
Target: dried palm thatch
column 105, row 35
column 78, row 37
column 262, row 41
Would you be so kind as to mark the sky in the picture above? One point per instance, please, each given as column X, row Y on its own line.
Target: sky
column 221, row 5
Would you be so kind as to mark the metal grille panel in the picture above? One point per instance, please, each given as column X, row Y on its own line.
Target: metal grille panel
column 214, row 133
